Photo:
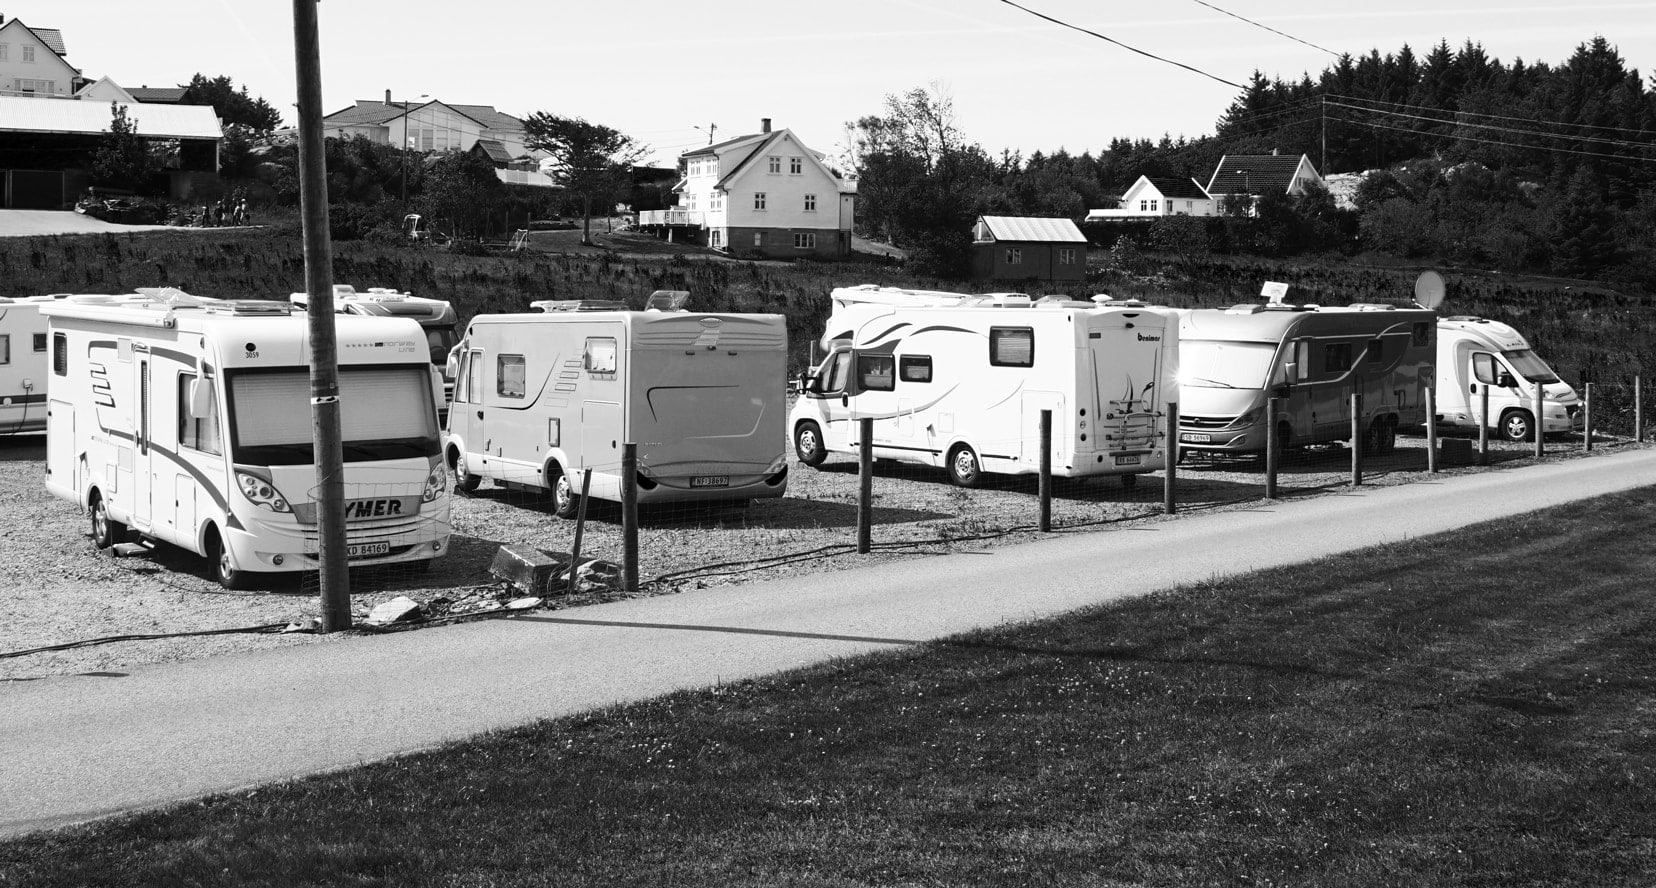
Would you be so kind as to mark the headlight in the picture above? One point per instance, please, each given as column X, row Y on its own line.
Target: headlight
column 436, row 484
column 1248, row 418
column 262, row 493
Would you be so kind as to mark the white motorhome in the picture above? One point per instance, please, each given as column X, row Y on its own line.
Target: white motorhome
column 1314, row 358
column 437, row 318
column 543, row 396
column 188, row 421
column 959, row 381
column 23, row 364
column 1474, row 353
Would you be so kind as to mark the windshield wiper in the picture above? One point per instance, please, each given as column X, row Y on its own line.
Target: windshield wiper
column 1213, row 381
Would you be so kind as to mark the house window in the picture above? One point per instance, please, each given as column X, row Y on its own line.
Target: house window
column 758, row 238
column 5, row 348
column 511, row 376
column 4, row 48
column 1066, row 255
column 810, row 203
column 1190, row 206
column 1155, row 206
column 60, row 354
column 796, row 166
column 692, row 202
column 28, row 53
column 198, row 432
column 758, row 200
column 716, row 202
column 775, row 164
column 1144, row 206
column 877, row 372
column 1011, row 347
column 600, row 355
column 915, row 368
column 804, row 240
column 40, row 342
column 1014, row 255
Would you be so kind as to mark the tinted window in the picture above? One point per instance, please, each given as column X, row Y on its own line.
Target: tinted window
column 877, row 372
column 915, row 368
column 1011, row 346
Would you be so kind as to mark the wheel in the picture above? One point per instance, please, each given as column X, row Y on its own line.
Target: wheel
column 464, row 480
column 1129, row 481
column 224, row 570
column 106, row 531
column 808, row 444
column 566, row 503
column 1389, row 444
column 1379, row 438
column 964, row 469
column 1516, row 425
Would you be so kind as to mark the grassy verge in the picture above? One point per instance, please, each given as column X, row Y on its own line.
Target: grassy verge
column 1471, row 709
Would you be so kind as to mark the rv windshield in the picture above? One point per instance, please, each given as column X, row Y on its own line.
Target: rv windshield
column 1212, row 363
column 386, row 413
column 441, row 340
column 1530, row 366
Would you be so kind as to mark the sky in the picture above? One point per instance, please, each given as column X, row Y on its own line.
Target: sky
column 667, row 72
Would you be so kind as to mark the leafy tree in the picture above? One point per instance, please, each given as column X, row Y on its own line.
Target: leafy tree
column 123, row 158
column 461, row 190
column 233, row 106
column 593, row 161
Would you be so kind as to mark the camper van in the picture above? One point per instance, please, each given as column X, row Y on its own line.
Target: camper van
column 1313, row 358
column 1474, row 353
column 435, row 316
column 188, row 421
column 23, row 364
column 543, row 396
column 959, row 381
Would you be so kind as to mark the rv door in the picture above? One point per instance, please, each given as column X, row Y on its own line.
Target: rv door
column 832, row 387
column 1487, row 371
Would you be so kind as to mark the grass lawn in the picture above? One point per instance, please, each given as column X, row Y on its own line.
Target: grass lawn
column 1471, row 709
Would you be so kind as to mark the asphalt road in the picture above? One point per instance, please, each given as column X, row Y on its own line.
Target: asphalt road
column 74, row 748
column 31, row 223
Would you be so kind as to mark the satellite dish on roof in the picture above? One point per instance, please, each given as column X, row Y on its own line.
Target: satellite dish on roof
column 1429, row 290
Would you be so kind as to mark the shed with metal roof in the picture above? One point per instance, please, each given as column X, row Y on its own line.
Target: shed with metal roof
column 1017, row 248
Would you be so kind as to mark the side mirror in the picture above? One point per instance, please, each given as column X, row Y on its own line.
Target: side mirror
column 1290, row 373
column 1505, row 380
column 201, row 398
column 1279, row 391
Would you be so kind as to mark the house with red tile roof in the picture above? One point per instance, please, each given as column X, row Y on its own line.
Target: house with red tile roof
column 32, row 62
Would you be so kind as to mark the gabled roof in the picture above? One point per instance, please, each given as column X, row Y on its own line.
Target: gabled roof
column 371, row 113
column 1032, row 228
column 489, row 117
column 159, row 95
column 760, row 148
column 726, row 145
column 1183, row 189
column 1255, row 173
column 493, row 150
column 52, row 37
column 105, row 89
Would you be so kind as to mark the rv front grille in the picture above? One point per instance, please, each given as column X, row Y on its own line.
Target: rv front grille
column 1192, row 421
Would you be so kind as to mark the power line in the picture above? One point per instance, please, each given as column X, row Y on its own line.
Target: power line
column 1402, row 129
column 1498, row 128
column 1041, row 15
column 1269, row 28
column 1534, row 120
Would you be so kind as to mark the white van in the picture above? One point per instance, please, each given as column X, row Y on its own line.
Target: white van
column 1474, row 353
column 188, row 421
column 543, row 396
column 1314, row 358
column 23, row 364
column 959, row 381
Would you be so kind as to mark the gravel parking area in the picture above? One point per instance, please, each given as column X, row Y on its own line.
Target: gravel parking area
column 59, row 589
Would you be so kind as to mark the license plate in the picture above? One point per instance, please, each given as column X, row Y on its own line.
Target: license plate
column 710, row 481
column 1195, row 437
column 1127, row 460
column 367, row 550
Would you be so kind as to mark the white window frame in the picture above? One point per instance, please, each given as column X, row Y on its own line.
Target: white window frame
column 775, row 164
column 28, row 54
column 1066, row 255
column 759, row 201
column 810, row 203
column 804, row 240
column 1014, row 255
column 796, row 166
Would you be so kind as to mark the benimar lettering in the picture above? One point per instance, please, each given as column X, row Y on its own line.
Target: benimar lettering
column 1144, row 337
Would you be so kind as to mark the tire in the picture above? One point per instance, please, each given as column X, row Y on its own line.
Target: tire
column 1129, row 481
column 1379, row 438
column 566, row 503
column 1516, row 425
column 224, row 570
column 464, row 481
column 106, row 531
column 808, row 445
column 964, row 468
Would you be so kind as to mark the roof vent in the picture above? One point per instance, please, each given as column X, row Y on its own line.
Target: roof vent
column 1373, row 306
column 667, row 300
column 552, row 305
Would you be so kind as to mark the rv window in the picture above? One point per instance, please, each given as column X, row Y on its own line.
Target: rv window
column 1011, row 347
column 600, row 356
column 198, row 432
column 876, row 372
column 1376, row 351
column 1483, row 367
column 915, row 368
column 1336, row 357
column 60, row 354
column 462, row 376
column 511, row 376
column 5, row 348
column 834, row 376
column 40, row 342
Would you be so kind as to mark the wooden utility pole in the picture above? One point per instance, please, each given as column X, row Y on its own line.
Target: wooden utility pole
column 325, row 430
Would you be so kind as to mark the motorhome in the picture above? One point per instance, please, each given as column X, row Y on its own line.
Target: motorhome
column 1476, row 353
column 188, row 421
column 23, row 364
column 544, row 396
column 959, row 381
column 1313, row 358
column 436, row 317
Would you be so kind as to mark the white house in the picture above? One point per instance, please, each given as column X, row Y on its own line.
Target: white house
column 761, row 193
column 1260, row 174
column 32, row 64
column 1153, row 196
column 431, row 126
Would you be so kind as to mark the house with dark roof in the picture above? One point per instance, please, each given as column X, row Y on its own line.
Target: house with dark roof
column 764, row 193
column 1021, row 248
column 1153, row 196
column 1256, row 175
column 32, row 62
column 430, row 126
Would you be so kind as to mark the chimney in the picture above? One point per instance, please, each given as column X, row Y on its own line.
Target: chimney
column 1276, row 152
column 387, row 97
column 764, row 124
